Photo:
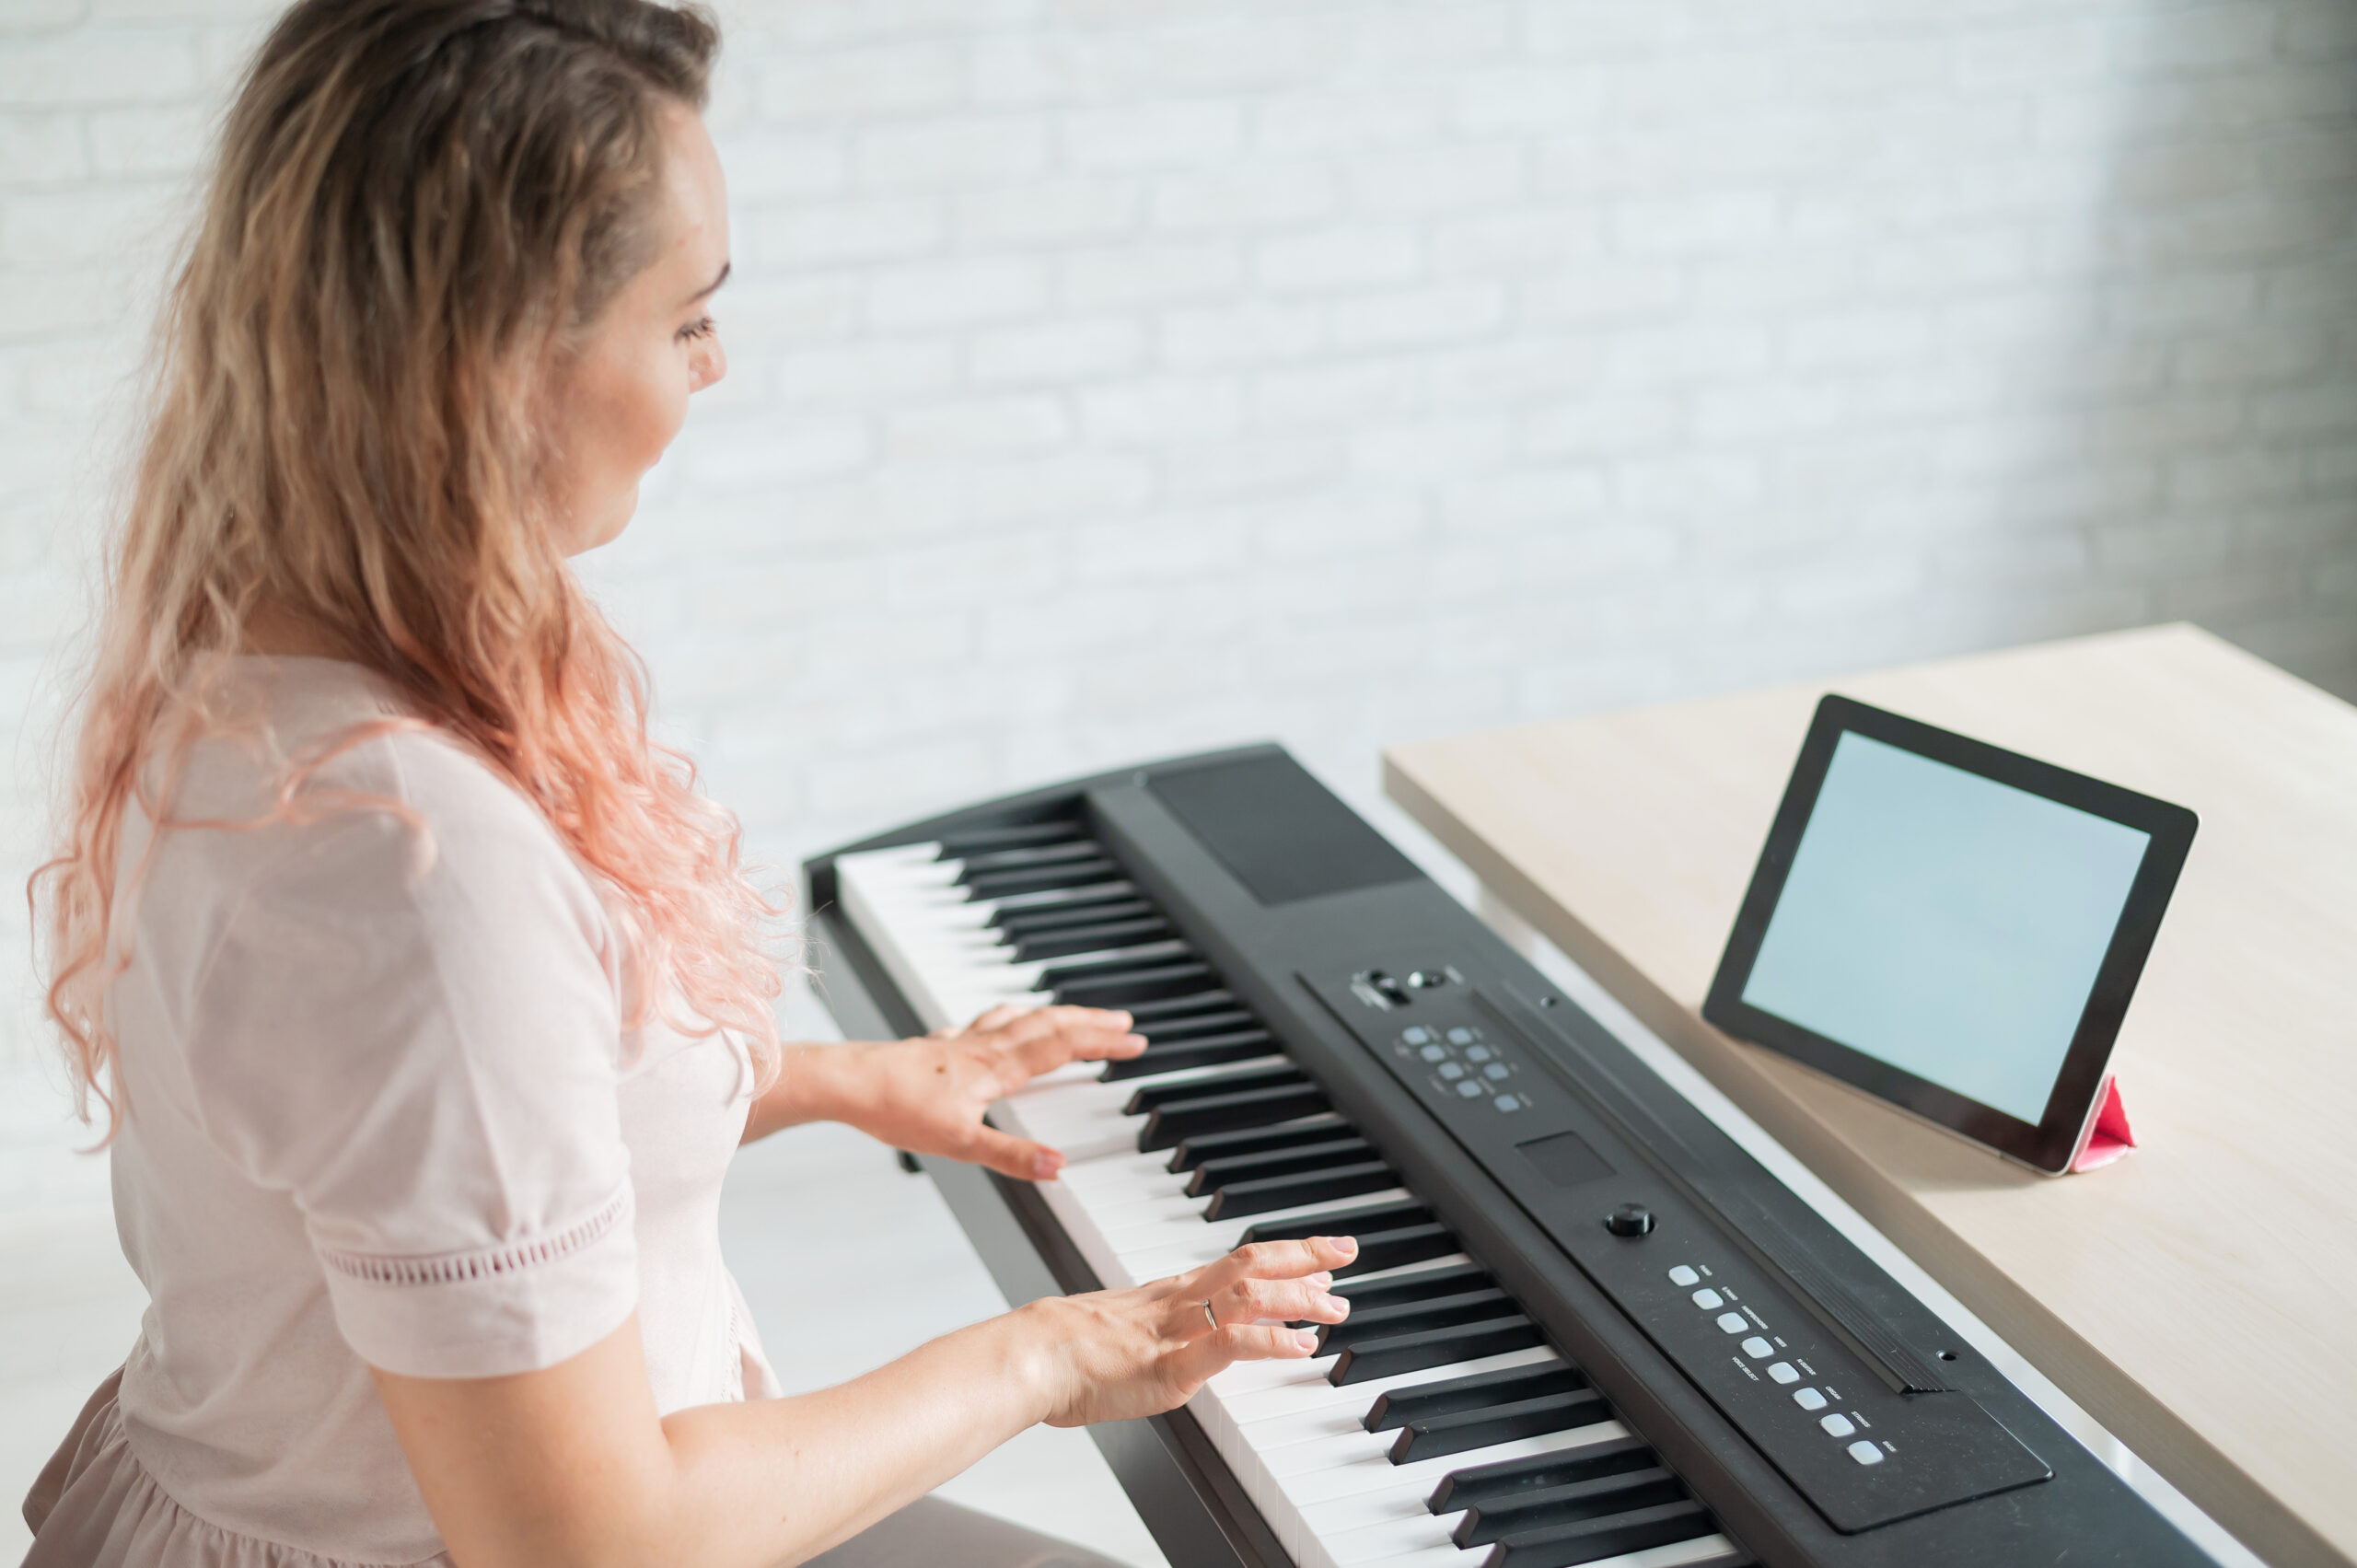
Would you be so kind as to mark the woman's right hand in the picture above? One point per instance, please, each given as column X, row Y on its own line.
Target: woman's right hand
column 1115, row 1354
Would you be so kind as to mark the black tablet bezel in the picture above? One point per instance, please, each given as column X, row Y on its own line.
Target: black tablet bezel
column 2049, row 1144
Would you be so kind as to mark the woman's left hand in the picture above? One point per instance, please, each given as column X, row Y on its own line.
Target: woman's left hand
column 927, row 1096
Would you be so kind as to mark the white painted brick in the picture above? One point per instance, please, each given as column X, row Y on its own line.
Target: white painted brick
column 1171, row 409
column 1344, row 119
column 1057, row 352
column 1515, row 242
column 2201, row 37
column 178, row 140
column 41, row 148
column 1678, row 226
column 1448, row 314
column 40, row 16
column 1343, row 394
column 767, row 166
column 1256, row 332
column 2046, row 55
column 1487, row 174
column 1597, row 295
column 94, row 66
column 956, row 292
column 870, row 371
column 855, row 84
column 47, row 228
column 884, row 229
column 1339, row 258
column 1438, row 450
column 1125, row 276
column 976, row 427
column 1046, row 212
column 1156, row 135
column 1245, row 193
column 934, row 153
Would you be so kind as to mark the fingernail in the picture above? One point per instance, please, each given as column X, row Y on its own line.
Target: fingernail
column 1347, row 1245
column 1138, row 1040
column 1336, row 1303
column 1304, row 1339
column 1046, row 1165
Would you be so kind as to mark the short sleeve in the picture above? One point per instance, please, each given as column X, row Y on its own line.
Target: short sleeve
column 411, row 1027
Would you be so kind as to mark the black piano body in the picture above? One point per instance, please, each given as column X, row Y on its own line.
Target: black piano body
column 1574, row 1198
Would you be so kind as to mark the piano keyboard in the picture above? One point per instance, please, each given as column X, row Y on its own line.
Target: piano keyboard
column 1435, row 1426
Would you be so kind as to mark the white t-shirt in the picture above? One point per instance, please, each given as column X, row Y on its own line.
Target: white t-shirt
column 383, row 1110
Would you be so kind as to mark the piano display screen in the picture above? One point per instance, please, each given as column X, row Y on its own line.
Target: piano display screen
column 1945, row 924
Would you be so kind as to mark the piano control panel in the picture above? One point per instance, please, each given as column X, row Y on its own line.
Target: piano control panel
column 1805, row 1394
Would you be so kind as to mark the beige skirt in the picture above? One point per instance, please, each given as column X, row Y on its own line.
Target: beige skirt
column 94, row 1505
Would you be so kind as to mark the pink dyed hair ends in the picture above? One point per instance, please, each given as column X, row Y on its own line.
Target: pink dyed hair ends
column 415, row 202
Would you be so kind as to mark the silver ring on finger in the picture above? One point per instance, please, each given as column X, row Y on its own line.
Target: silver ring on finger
column 1209, row 1317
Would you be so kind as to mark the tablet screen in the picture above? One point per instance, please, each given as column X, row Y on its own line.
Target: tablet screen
column 1945, row 924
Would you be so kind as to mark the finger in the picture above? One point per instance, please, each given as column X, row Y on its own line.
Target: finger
column 1010, row 1156
column 1276, row 1260
column 1282, row 1301
column 1049, row 1052
column 997, row 1018
column 1213, row 1354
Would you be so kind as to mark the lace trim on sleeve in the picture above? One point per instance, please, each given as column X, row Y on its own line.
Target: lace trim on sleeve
column 482, row 1262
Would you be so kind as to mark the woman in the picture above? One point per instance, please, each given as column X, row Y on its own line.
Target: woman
column 424, row 999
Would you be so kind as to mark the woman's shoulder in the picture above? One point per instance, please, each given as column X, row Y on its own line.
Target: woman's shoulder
column 323, row 790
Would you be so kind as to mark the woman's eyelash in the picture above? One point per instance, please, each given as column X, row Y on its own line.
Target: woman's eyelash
column 699, row 328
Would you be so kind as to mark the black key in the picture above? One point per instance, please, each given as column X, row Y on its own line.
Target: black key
column 1252, row 1140
column 984, row 841
column 1114, row 963
column 1116, row 903
column 1370, row 1359
column 1485, row 1484
column 1482, row 1390
column 1212, row 1174
column 1016, row 905
column 1177, row 1119
column 1146, row 1097
column 1462, row 1431
column 1553, row 1505
column 1195, row 1026
column 1210, row 1050
column 984, row 864
column 1269, row 1194
column 1592, row 1540
column 1036, row 878
column 1456, row 1278
column 1343, row 1222
column 1410, row 1317
column 1396, row 1248
column 1131, row 987
column 1145, row 1012
column 1063, row 942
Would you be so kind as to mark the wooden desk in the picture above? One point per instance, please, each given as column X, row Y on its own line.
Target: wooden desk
column 2200, row 1297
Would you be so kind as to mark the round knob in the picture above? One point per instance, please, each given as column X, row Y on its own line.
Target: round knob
column 1629, row 1219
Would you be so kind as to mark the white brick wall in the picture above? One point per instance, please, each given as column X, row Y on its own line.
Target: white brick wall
column 1117, row 377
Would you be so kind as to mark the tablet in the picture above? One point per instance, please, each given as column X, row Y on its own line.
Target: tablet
column 1950, row 927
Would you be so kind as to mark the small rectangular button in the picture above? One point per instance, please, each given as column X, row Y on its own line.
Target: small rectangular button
column 1837, row 1425
column 1758, row 1349
column 1734, row 1322
column 1682, row 1276
column 1808, row 1399
column 1784, row 1372
column 1865, row 1453
column 1709, row 1300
